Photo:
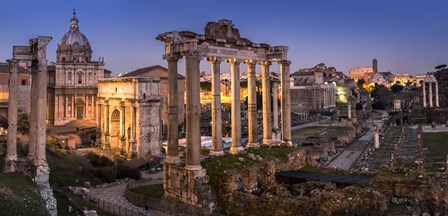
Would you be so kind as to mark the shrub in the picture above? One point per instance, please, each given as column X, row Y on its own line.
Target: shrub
column 127, row 172
column 107, row 174
column 54, row 144
column 98, row 161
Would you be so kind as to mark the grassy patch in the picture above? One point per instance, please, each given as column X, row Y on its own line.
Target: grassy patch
column 273, row 153
column 316, row 131
column 437, row 145
column 18, row 196
column 155, row 191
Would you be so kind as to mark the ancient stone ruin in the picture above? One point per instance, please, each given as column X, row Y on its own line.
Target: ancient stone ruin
column 220, row 42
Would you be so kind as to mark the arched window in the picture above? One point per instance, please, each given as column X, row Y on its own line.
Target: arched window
column 79, row 79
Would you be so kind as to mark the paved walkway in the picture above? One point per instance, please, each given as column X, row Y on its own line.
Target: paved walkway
column 115, row 195
column 350, row 155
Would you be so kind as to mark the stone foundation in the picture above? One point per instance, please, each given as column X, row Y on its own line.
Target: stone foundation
column 188, row 186
column 41, row 178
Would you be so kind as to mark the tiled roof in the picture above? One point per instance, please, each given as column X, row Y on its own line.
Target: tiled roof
column 4, row 68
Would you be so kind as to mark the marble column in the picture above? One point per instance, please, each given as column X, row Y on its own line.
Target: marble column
column 275, row 105
column 236, row 147
column 11, row 155
column 56, row 107
column 193, row 105
column 376, row 138
column 123, row 125
column 98, row 123
column 266, row 100
column 437, row 94
column 73, row 114
column 286, row 102
column 430, row 94
column 133, row 141
column 424, row 94
column 106, row 125
column 33, row 111
column 41, row 131
column 216, row 108
column 252, row 124
column 172, row 154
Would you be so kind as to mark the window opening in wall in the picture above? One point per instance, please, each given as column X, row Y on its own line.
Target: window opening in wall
column 79, row 79
column 23, row 82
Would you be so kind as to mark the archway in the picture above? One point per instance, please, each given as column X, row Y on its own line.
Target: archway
column 115, row 129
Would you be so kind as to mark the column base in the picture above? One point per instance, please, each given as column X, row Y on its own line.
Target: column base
column 10, row 165
column 236, row 150
column 253, row 145
column 42, row 173
column 267, row 142
column 193, row 167
column 286, row 143
column 31, row 157
column 217, row 153
column 172, row 160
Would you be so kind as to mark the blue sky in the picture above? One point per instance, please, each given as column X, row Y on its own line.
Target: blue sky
column 406, row 36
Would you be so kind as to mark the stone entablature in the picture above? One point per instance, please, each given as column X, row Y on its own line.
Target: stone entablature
column 129, row 113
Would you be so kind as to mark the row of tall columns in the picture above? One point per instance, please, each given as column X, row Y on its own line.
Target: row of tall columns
column 12, row 116
column 430, row 94
column 286, row 102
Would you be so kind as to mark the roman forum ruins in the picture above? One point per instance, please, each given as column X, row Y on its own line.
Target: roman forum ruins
column 430, row 79
column 221, row 42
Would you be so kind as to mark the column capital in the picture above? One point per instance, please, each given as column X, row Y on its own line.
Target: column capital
column 213, row 60
column 172, row 57
column 284, row 62
column 233, row 61
column 250, row 63
column 265, row 63
column 122, row 104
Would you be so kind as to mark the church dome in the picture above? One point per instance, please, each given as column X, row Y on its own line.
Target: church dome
column 74, row 36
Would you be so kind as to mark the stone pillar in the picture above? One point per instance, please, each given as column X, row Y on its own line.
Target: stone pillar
column 133, row 141
column 106, row 125
column 216, row 108
column 33, row 111
column 11, row 155
column 437, row 94
column 236, row 147
column 252, row 124
column 266, row 97
column 430, row 94
column 349, row 109
column 98, row 123
column 424, row 94
column 172, row 153
column 41, row 141
column 193, row 104
column 123, row 124
column 377, row 137
column 73, row 114
column 275, row 105
column 286, row 102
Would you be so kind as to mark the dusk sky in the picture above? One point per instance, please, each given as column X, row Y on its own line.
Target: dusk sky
column 406, row 36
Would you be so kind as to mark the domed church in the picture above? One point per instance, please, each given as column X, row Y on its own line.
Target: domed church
column 73, row 79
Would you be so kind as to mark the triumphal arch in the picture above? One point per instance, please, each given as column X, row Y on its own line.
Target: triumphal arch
column 220, row 43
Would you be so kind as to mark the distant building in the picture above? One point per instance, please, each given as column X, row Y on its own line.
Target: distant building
column 309, row 90
column 162, row 73
column 73, row 79
column 366, row 72
column 24, row 89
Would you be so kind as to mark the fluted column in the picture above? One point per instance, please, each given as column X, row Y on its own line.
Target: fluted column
column 106, row 125
column 123, row 124
column 424, row 94
column 193, row 105
column 266, row 100
column 11, row 155
column 430, row 94
column 98, row 123
column 236, row 147
column 133, row 140
column 41, row 140
column 286, row 102
column 275, row 106
column 437, row 94
column 172, row 154
column 252, row 124
column 216, row 108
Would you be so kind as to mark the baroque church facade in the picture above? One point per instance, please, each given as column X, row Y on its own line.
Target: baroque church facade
column 73, row 79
